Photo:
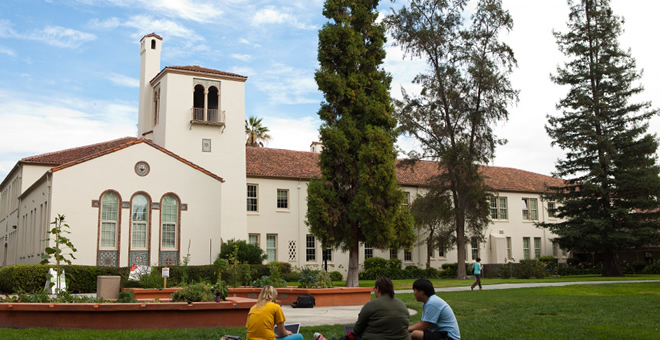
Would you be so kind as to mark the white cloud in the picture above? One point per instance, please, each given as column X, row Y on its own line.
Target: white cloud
column 243, row 57
column 287, row 85
column 271, row 15
column 122, row 80
column 107, row 24
column 7, row 52
column 203, row 11
column 147, row 24
column 292, row 134
column 59, row 36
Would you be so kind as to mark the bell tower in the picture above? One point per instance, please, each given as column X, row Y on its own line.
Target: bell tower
column 150, row 48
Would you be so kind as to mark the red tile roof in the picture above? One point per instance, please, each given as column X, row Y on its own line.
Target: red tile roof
column 199, row 69
column 153, row 34
column 274, row 163
column 70, row 157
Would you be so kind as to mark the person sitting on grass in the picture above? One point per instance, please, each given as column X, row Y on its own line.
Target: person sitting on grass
column 263, row 317
column 383, row 318
column 438, row 319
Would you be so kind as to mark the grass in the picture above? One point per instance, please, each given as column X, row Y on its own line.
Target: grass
column 606, row 311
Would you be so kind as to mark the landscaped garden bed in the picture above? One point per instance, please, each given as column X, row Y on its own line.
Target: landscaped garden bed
column 169, row 315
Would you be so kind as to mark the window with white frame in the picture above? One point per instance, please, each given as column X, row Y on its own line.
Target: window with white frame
column 327, row 255
column 526, row 248
column 109, row 217
column 368, row 251
column 537, row 247
column 441, row 249
column 310, row 245
column 498, row 210
column 394, row 253
column 474, row 243
column 509, row 253
column 406, row 199
column 530, row 209
column 271, row 247
column 552, row 210
column 407, row 255
column 282, row 199
column 139, row 219
column 254, row 239
column 169, row 216
column 252, row 198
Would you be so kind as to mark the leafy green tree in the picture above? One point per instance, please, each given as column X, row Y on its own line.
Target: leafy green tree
column 58, row 251
column 242, row 251
column 610, row 199
column 255, row 133
column 465, row 90
column 433, row 215
column 357, row 198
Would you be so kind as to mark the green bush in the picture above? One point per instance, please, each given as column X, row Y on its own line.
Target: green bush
column 308, row 278
column 506, row 271
column 451, row 269
column 394, row 264
column 245, row 252
column 653, row 268
column 196, row 292
column 336, row 276
column 527, row 269
column 126, row 297
column 374, row 262
column 550, row 263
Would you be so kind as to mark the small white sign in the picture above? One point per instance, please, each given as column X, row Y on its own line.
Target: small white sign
column 52, row 289
column 166, row 272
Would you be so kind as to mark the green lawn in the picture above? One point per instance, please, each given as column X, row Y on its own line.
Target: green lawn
column 606, row 311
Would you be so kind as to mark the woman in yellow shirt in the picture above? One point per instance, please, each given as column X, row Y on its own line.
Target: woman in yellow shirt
column 263, row 317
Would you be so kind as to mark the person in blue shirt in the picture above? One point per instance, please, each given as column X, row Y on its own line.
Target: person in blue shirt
column 438, row 319
column 476, row 270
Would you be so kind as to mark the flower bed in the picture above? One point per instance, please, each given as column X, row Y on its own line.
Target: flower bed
column 338, row 296
column 170, row 315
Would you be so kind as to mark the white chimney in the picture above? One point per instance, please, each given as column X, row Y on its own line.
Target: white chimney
column 150, row 47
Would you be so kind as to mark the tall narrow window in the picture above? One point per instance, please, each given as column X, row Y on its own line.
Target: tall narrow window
column 109, row 216
column 198, row 103
column 441, row 248
column 526, row 248
column 139, row 218
column 311, row 247
column 474, row 243
column 252, row 198
column 529, row 209
column 212, row 100
column 552, row 210
column 169, row 219
column 327, row 255
column 254, row 239
column 509, row 255
column 271, row 247
column 537, row 247
column 368, row 251
column 406, row 199
column 282, row 199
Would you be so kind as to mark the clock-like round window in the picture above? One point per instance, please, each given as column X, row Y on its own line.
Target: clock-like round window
column 142, row 168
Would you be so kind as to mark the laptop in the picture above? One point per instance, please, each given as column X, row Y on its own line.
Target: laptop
column 292, row 327
column 348, row 329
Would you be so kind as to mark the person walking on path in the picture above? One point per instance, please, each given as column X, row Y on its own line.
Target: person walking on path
column 438, row 319
column 476, row 269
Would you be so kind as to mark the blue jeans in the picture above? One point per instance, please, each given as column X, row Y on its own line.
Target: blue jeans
column 296, row 336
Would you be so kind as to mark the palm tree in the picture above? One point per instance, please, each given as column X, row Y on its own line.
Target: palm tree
column 255, row 133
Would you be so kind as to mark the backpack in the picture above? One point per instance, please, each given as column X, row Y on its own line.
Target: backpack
column 304, row 301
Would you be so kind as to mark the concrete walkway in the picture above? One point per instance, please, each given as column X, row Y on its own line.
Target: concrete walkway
column 346, row 315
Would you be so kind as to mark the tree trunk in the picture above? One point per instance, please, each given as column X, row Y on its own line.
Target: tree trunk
column 429, row 249
column 460, row 235
column 353, row 265
column 611, row 265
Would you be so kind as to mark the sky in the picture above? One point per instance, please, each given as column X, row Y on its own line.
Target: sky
column 69, row 69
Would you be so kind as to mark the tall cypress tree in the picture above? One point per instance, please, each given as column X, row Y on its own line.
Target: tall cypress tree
column 610, row 200
column 357, row 198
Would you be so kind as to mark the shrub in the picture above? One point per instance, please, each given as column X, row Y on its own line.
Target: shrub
column 291, row 277
column 506, row 271
column 307, row 278
column 528, row 269
column 431, row 273
column 126, row 297
column 196, row 292
column 244, row 252
column 323, row 279
column 550, row 263
column 394, row 264
column 653, row 268
column 374, row 262
column 336, row 276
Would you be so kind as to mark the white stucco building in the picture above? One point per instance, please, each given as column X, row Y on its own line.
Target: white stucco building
column 187, row 182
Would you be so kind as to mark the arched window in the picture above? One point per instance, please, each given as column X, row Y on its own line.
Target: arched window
column 198, row 102
column 109, row 217
column 139, row 253
column 109, row 222
column 212, row 111
column 169, row 232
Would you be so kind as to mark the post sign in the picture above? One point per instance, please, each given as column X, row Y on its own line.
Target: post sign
column 166, row 272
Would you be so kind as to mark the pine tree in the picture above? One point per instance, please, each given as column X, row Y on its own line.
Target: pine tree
column 464, row 91
column 610, row 200
column 357, row 198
